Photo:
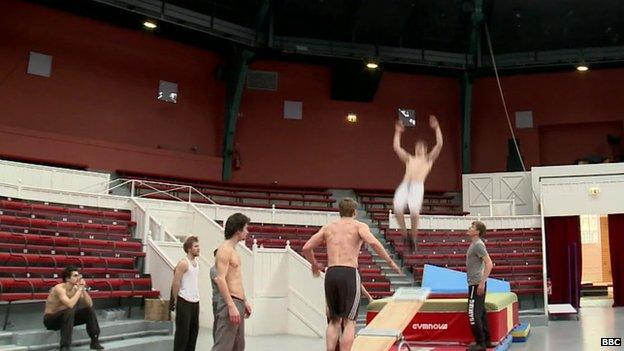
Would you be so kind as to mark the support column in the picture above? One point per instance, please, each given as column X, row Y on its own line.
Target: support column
column 234, row 94
column 466, row 83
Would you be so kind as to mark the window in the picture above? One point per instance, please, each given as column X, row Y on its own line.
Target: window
column 590, row 229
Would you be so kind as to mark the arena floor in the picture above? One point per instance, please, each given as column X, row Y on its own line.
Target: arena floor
column 569, row 335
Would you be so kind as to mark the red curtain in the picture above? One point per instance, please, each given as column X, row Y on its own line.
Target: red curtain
column 616, row 243
column 563, row 257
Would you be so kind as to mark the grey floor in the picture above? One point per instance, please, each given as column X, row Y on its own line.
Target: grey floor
column 571, row 335
column 566, row 335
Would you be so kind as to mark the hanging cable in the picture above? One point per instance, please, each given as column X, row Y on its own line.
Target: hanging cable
column 504, row 101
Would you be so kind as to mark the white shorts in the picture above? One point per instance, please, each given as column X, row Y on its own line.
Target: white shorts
column 409, row 194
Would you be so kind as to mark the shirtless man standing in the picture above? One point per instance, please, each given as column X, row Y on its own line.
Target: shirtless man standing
column 62, row 312
column 343, row 238
column 412, row 190
column 230, row 327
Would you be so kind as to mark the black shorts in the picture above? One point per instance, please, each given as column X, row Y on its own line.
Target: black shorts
column 342, row 292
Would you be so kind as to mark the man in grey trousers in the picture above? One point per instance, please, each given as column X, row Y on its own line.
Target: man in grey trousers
column 233, row 307
column 216, row 296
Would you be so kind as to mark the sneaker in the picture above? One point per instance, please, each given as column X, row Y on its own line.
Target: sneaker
column 95, row 345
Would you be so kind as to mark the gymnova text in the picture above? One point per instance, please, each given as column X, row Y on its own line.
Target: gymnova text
column 430, row 326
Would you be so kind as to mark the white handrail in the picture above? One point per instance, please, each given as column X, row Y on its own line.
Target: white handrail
column 174, row 188
column 108, row 184
column 160, row 252
column 202, row 214
column 145, row 226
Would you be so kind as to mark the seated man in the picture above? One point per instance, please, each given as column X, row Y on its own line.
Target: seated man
column 62, row 313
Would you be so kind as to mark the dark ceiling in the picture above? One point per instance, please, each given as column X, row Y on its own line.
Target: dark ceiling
column 444, row 25
column 441, row 25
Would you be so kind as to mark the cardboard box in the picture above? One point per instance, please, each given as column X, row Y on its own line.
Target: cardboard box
column 157, row 310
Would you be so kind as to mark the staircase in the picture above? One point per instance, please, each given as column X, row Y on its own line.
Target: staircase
column 126, row 335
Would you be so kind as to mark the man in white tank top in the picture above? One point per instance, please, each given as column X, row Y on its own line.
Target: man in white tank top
column 185, row 297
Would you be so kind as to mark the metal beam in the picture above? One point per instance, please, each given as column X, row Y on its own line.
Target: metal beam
column 262, row 28
column 176, row 15
column 353, row 51
column 234, row 94
column 466, row 84
column 180, row 16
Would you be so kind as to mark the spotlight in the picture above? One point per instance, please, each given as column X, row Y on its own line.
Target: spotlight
column 149, row 25
column 352, row 117
column 372, row 65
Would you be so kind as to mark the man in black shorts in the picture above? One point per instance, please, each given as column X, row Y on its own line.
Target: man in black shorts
column 343, row 238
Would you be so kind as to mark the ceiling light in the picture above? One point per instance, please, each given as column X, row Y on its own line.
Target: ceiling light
column 149, row 24
column 352, row 117
column 372, row 65
column 582, row 67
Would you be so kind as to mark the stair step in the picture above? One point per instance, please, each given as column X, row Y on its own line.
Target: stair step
column 6, row 338
column 14, row 348
column 401, row 284
column 152, row 343
column 83, row 344
column 399, row 277
column 108, row 331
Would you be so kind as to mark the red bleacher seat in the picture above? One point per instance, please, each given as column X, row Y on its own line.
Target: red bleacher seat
column 37, row 241
column 232, row 194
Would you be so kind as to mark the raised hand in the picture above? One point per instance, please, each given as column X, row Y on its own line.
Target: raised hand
column 433, row 122
column 398, row 127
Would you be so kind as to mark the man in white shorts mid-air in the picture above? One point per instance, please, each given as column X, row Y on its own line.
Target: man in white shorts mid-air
column 411, row 191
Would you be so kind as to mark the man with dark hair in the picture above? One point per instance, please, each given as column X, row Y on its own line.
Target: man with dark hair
column 411, row 191
column 230, row 327
column 185, row 297
column 478, row 268
column 61, row 312
column 343, row 238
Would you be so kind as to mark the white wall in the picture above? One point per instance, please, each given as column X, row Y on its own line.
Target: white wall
column 262, row 215
column 257, row 215
column 64, row 196
column 571, row 195
column 160, row 262
column 464, row 222
column 479, row 188
column 53, row 177
column 180, row 220
column 306, row 298
column 576, row 179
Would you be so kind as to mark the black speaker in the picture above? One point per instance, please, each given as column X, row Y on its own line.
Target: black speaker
column 352, row 81
column 513, row 158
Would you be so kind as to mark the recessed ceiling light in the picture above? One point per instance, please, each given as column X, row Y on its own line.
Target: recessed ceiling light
column 582, row 68
column 149, row 24
column 352, row 117
column 372, row 65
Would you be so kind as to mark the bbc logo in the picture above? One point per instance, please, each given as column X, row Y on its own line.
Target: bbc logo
column 610, row 341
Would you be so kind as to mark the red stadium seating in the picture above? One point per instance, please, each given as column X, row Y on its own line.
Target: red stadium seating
column 37, row 241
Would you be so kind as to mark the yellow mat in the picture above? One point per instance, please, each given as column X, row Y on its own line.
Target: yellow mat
column 394, row 316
